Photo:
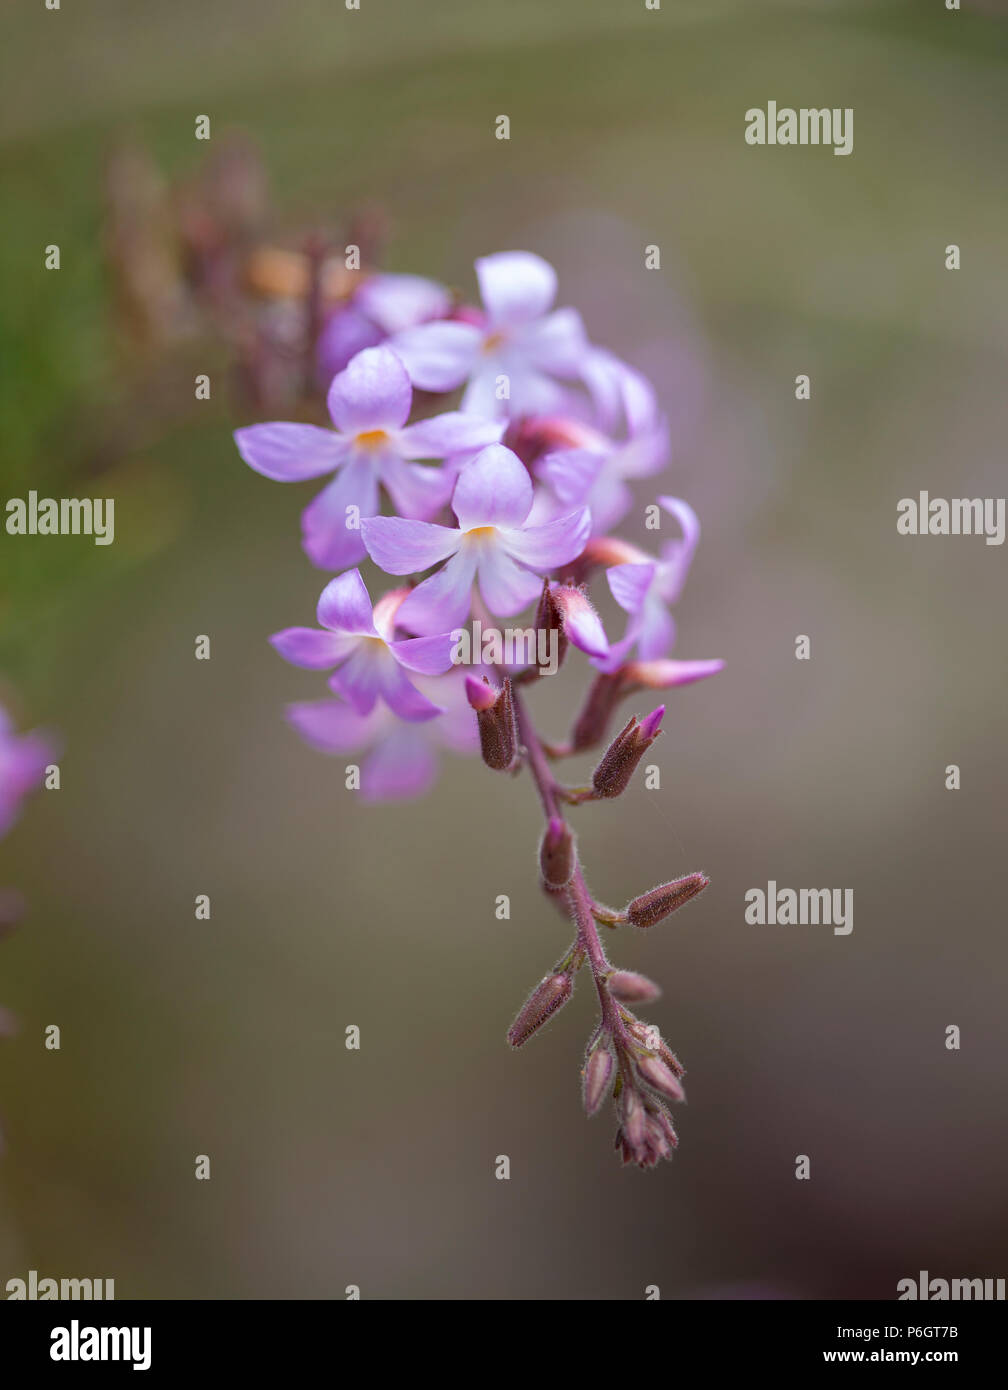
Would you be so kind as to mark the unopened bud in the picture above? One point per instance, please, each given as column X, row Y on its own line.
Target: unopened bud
column 597, row 1075
column 654, row 1071
column 657, row 903
column 634, row 1119
column 495, row 717
column 550, row 994
column 579, row 621
column 667, row 674
column 549, row 619
column 556, row 853
column 625, row 752
column 630, row 988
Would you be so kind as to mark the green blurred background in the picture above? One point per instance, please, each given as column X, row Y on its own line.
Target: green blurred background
column 226, row 1037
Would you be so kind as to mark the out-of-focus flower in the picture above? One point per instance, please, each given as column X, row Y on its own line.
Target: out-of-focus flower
column 402, row 758
column 371, row 446
column 383, row 305
column 361, row 643
column 643, row 587
column 492, row 500
column 597, row 477
column 519, row 340
column 23, row 761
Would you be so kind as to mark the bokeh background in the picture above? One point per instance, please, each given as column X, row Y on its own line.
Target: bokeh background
column 226, row 1037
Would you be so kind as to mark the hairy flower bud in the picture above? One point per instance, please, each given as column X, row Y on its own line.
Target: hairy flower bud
column 657, row 903
column 666, row 674
column 597, row 1076
column 495, row 717
column 556, row 853
column 620, row 759
column 654, row 1071
column 630, row 988
column 550, row 994
column 549, row 619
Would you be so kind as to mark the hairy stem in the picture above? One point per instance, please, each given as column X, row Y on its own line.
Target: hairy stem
column 580, row 901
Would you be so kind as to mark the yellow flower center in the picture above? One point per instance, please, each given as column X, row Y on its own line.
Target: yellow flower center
column 371, row 439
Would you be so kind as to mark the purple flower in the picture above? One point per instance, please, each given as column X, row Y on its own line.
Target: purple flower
column 403, row 758
column 643, row 587
column 624, row 398
column 383, row 305
column 519, row 339
column 597, row 477
column 23, row 761
column 369, row 404
column 361, row 643
column 492, row 501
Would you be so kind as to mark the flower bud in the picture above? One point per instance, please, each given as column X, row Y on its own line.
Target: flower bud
column 630, row 988
column 597, row 1076
column 654, row 1071
column 634, row 1119
column 550, row 994
column 549, row 619
column 495, row 717
column 579, row 621
column 556, row 853
column 666, row 674
column 658, row 903
column 625, row 752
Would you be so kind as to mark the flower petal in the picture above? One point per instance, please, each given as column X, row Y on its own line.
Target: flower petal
column 543, row 548
column 401, row 546
column 403, row 766
column 290, row 453
column 677, row 556
column 430, row 656
column 556, row 344
column 494, row 490
column 418, row 490
column 327, row 535
column 311, row 649
column 441, row 602
column 516, row 286
column 629, row 585
column 570, row 473
column 333, row 726
column 506, row 587
column 345, row 605
column 372, row 392
column 396, row 302
column 438, row 356
column 446, row 434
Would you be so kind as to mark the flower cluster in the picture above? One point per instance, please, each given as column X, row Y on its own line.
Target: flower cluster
column 503, row 505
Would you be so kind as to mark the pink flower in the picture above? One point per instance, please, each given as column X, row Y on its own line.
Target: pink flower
column 493, row 543
column 361, row 643
column 519, row 339
column 371, row 446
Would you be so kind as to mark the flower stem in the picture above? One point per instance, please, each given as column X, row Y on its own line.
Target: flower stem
column 581, row 903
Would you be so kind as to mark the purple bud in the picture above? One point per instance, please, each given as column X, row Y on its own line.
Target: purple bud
column 549, row 618
column 630, row 988
column 634, row 1119
column 556, row 853
column 624, row 753
column 654, row 1071
column 597, row 1076
column 550, row 994
column 495, row 717
column 657, row 903
column 480, row 693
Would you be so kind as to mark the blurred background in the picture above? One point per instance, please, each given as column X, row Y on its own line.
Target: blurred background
column 226, row 1037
